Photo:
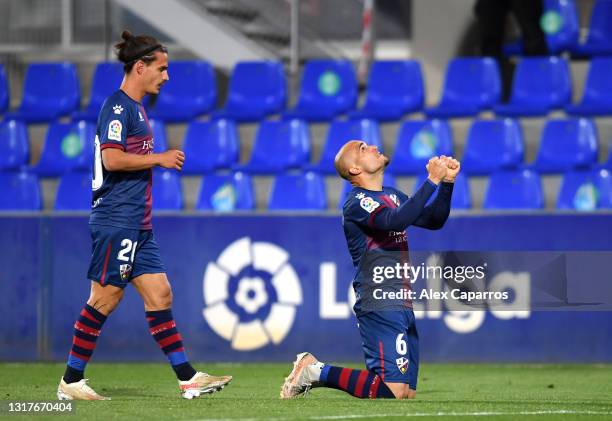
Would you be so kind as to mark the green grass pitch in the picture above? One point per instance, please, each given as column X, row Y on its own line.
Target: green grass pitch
column 446, row 391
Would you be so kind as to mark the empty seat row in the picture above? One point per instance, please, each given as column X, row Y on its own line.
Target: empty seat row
column 561, row 26
column 257, row 89
column 210, row 146
column 21, row 191
column 491, row 145
column 540, row 85
column 513, row 189
column 328, row 89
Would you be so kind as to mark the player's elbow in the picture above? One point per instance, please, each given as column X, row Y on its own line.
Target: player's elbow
column 436, row 224
column 111, row 160
column 438, row 221
column 110, row 165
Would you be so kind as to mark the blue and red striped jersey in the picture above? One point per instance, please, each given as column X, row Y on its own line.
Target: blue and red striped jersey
column 360, row 228
column 122, row 198
column 375, row 224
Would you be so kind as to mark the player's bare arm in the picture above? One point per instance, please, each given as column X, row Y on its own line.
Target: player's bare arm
column 115, row 159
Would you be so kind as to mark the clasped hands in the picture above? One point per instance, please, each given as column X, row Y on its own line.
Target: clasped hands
column 443, row 168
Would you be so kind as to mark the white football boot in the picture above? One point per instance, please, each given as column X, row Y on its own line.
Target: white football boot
column 78, row 391
column 303, row 377
column 202, row 383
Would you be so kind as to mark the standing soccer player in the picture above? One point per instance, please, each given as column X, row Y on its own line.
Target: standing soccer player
column 375, row 219
column 124, row 249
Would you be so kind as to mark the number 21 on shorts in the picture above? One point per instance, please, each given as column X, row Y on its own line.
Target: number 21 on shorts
column 128, row 248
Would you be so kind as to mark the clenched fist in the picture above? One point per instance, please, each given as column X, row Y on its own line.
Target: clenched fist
column 436, row 169
column 453, row 167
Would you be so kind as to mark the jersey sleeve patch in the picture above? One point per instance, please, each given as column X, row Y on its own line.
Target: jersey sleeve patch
column 114, row 130
column 369, row 204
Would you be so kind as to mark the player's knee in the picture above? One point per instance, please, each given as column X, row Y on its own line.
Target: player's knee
column 161, row 300
column 401, row 391
column 105, row 300
column 404, row 393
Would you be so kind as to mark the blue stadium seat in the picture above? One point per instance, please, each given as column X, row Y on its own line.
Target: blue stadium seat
column 388, row 181
column 160, row 140
column 4, row 91
column 417, row 142
column 471, row 85
column 566, row 145
column 226, row 193
column 298, row 192
column 395, row 88
column 19, row 191
column 14, row 144
column 560, row 25
column 107, row 79
column 597, row 97
column 67, row 147
column 167, row 191
column 74, row 192
column 278, row 145
column 586, row 190
column 210, row 146
column 328, row 89
column 340, row 132
column 518, row 189
column 493, row 145
column 599, row 37
column 540, row 84
column 257, row 89
column 51, row 90
column 190, row 92
column 461, row 198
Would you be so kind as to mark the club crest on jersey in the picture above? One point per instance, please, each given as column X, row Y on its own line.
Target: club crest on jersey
column 125, row 271
column 369, row 204
column 394, row 198
column 117, row 109
column 402, row 364
column 114, row 130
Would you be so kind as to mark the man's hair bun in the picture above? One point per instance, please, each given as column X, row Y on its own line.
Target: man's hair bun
column 126, row 35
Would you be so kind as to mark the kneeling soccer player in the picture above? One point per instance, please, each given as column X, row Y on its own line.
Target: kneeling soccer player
column 375, row 218
column 124, row 249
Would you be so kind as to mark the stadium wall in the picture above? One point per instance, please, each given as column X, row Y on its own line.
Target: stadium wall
column 304, row 303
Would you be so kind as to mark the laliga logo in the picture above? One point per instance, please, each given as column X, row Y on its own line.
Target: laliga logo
column 251, row 293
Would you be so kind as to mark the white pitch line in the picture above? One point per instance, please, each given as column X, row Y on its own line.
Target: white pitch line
column 421, row 414
column 461, row 414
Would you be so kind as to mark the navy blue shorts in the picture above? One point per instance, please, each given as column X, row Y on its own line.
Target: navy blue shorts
column 120, row 254
column 391, row 345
